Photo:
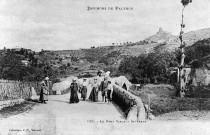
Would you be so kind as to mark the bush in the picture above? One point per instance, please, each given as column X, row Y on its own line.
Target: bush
column 152, row 67
column 108, row 58
column 198, row 51
column 113, row 71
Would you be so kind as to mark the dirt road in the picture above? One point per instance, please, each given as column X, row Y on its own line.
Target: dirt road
column 58, row 117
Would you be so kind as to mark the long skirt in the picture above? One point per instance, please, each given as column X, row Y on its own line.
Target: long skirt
column 74, row 97
column 100, row 98
column 43, row 95
column 94, row 95
column 84, row 92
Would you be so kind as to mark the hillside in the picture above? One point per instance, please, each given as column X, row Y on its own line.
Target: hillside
column 70, row 62
column 190, row 38
column 161, row 40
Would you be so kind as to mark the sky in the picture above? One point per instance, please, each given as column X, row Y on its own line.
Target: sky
column 67, row 24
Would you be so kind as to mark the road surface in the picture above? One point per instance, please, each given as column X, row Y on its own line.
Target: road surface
column 58, row 117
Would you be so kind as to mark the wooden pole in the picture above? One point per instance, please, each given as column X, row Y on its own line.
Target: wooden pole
column 177, row 75
column 182, row 47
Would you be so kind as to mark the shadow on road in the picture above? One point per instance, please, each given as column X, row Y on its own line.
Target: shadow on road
column 67, row 101
column 119, row 110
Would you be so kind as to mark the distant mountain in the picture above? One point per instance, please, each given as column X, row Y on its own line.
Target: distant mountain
column 160, row 36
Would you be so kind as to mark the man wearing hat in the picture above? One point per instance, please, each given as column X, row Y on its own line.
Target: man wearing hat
column 103, row 87
column 74, row 89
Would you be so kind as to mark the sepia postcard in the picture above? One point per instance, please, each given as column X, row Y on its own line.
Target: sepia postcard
column 104, row 67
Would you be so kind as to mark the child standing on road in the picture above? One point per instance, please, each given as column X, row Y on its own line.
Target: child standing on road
column 108, row 92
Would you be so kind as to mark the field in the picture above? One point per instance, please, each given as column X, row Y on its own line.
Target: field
column 163, row 101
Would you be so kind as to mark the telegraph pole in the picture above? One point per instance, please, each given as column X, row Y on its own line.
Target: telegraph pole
column 182, row 47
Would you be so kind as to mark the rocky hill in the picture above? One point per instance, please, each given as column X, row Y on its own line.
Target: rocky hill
column 190, row 38
column 160, row 36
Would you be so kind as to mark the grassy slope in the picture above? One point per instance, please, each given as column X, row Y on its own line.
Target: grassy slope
column 16, row 109
column 163, row 99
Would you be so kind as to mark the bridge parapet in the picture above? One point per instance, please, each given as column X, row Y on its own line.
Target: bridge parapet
column 131, row 105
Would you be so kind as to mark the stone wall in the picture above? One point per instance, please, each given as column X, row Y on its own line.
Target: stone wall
column 130, row 104
column 10, row 90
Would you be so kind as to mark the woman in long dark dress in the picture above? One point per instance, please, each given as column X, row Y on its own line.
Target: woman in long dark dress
column 84, row 90
column 74, row 88
column 44, row 91
column 94, row 93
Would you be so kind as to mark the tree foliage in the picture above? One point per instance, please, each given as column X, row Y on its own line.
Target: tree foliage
column 152, row 67
column 185, row 2
column 109, row 58
column 198, row 51
column 12, row 68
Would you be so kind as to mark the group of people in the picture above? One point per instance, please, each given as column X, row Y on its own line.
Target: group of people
column 100, row 88
column 105, row 87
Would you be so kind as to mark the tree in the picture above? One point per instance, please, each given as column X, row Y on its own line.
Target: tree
column 11, row 68
column 186, row 2
column 182, row 47
column 9, row 62
column 152, row 67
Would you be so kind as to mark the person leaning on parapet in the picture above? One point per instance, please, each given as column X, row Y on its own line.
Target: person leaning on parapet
column 74, row 89
column 44, row 90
